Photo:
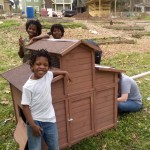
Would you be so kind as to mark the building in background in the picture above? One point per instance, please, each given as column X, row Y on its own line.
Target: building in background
column 142, row 6
column 6, row 6
column 100, row 8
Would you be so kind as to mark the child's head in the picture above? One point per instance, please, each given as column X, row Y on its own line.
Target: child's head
column 33, row 28
column 40, row 63
column 57, row 31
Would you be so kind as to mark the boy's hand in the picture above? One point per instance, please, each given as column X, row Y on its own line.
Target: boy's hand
column 21, row 42
column 36, row 130
column 68, row 77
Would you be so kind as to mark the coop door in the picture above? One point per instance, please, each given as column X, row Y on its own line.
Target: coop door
column 81, row 116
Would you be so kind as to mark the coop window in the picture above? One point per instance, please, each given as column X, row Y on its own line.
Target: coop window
column 55, row 61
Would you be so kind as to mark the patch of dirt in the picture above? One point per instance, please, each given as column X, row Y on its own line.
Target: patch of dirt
column 96, row 30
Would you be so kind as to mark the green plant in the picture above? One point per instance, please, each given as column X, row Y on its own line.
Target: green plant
column 9, row 23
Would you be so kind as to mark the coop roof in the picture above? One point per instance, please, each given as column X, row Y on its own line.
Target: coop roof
column 60, row 46
column 18, row 76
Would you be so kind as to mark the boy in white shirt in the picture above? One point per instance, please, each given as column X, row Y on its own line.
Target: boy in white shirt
column 37, row 102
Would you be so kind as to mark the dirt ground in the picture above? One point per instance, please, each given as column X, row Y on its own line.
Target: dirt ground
column 97, row 30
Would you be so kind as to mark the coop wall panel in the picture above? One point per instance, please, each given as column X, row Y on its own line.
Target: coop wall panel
column 104, row 108
column 78, row 62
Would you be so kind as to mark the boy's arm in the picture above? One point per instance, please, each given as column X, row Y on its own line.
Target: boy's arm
column 46, row 36
column 35, row 128
column 21, row 52
column 21, row 47
column 58, row 72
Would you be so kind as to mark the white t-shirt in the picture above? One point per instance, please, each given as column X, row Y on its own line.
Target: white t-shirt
column 37, row 94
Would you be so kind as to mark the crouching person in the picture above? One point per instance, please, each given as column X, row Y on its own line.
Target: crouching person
column 129, row 97
column 37, row 102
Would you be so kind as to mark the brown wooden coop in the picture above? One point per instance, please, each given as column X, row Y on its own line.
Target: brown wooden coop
column 83, row 107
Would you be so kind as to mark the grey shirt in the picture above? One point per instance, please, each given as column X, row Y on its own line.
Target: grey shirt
column 128, row 85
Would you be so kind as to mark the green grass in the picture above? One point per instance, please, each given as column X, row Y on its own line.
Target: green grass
column 133, row 63
column 8, row 24
column 133, row 130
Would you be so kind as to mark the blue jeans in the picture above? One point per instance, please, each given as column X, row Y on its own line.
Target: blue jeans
column 129, row 106
column 49, row 134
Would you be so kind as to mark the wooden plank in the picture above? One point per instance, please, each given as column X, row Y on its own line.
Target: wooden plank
column 103, row 74
column 62, row 134
column 105, row 99
column 61, row 124
column 61, row 111
column 15, row 105
column 76, row 56
column 78, row 87
column 105, row 80
column 63, row 129
column 17, row 95
column 82, row 79
column 80, row 103
column 58, row 84
column 63, row 143
column 108, row 103
column 81, row 122
column 81, row 130
column 78, row 62
column 104, row 114
column 58, row 93
column 81, row 73
column 104, row 109
column 103, row 94
column 105, row 120
column 80, row 109
column 81, row 113
column 60, row 105
column 81, row 48
column 104, row 125
column 78, row 68
column 104, row 87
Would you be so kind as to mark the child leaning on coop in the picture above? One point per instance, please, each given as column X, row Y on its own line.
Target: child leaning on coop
column 56, row 30
column 33, row 28
column 37, row 102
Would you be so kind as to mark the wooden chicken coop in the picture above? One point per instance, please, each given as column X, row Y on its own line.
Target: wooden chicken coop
column 84, row 107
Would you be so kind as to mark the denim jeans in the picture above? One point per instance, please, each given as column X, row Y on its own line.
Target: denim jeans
column 49, row 134
column 128, row 106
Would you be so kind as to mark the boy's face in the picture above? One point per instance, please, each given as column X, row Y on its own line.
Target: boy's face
column 57, row 33
column 32, row 31
column 40, row 67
